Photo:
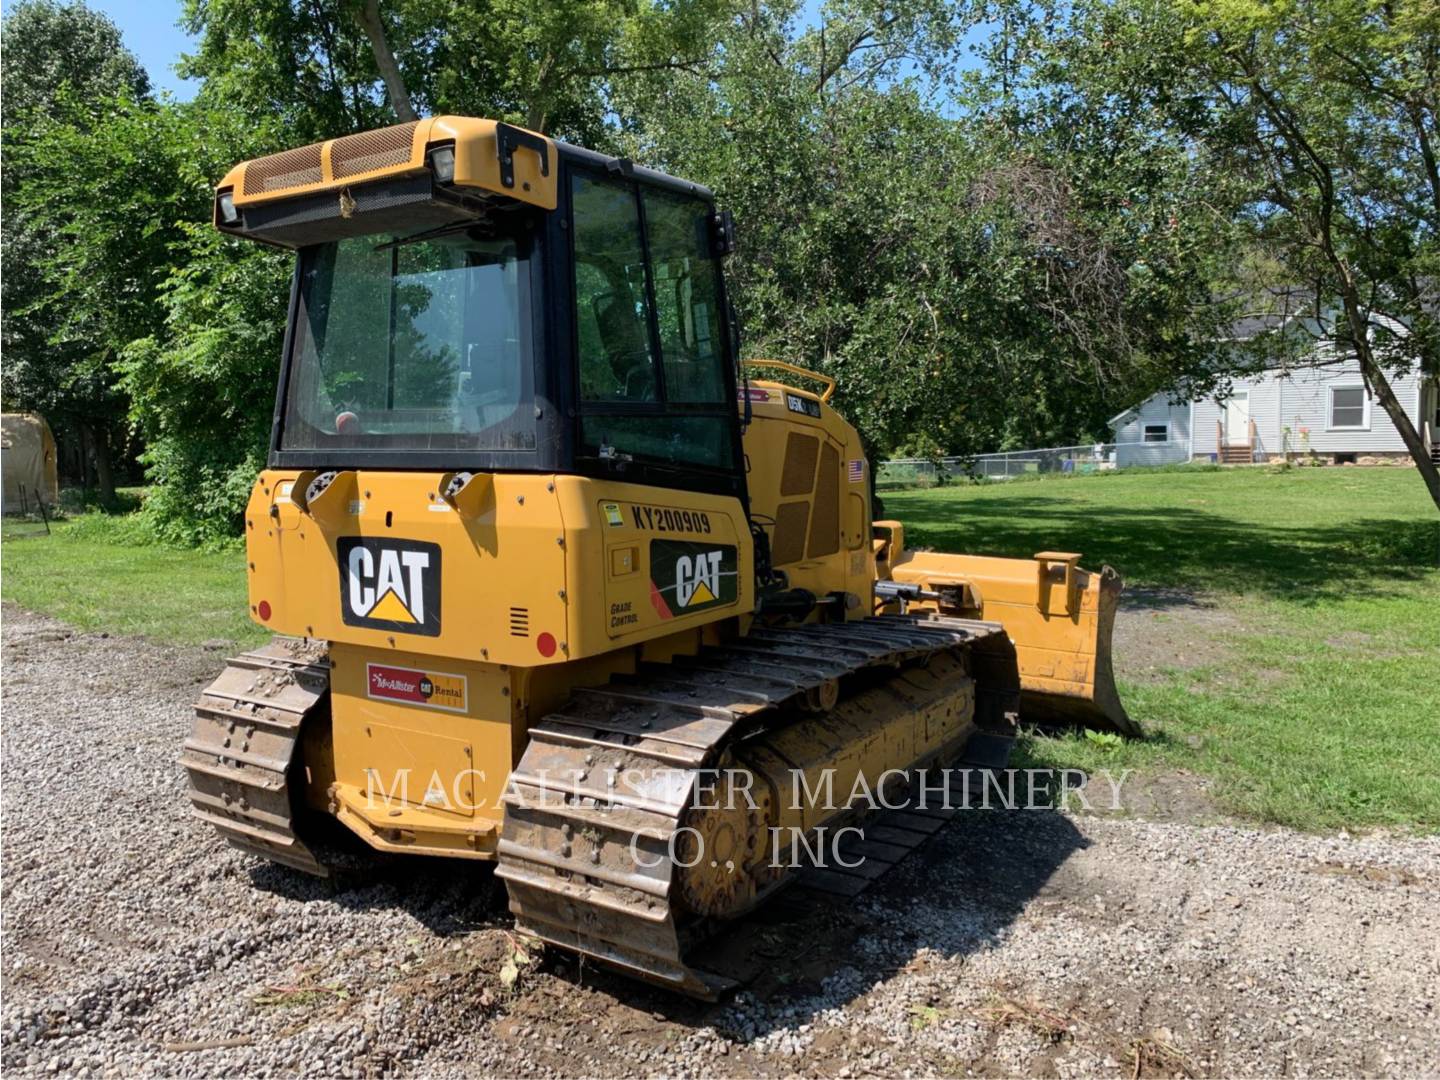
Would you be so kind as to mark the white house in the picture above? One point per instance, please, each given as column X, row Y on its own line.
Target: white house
column 1320, row 409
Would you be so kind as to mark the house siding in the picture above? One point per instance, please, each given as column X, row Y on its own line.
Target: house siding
column 1207, row 412
column 1299, row 398
column 1307, row 405
column 1157, row 410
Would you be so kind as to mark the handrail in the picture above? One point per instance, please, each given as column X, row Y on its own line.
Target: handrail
column 795, row 369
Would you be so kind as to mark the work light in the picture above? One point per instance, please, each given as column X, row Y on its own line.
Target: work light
column 442, row 164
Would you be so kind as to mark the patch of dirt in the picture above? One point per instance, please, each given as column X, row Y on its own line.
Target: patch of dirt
column 1385, row 875
column 1349, row 639
column 1167, row 796
column 1163, row 630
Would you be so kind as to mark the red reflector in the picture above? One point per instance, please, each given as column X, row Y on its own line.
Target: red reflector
column 546, row 644
column 263, row 610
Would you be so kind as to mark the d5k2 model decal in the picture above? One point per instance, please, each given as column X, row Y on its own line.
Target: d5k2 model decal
column 390, row 584
column 687, row 576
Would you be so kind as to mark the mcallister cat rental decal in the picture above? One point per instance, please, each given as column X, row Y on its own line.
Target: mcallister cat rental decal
column 432, row 689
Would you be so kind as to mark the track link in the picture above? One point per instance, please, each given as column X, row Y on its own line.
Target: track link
column 241, row 753
column 610, row 776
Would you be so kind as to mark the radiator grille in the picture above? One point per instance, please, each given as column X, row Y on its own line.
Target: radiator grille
column 825, row 523
column 789, row 543
column 293, row 168
column 356, row 154
column 519, row 622
column 797, row 475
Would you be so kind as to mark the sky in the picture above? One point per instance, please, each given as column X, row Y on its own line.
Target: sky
column 150, row 32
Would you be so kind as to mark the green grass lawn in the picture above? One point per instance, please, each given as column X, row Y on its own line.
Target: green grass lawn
column 1317, row 701
column 96, row 573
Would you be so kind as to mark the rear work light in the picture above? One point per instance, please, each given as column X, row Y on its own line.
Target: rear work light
column 228, row 214
column 442, row 164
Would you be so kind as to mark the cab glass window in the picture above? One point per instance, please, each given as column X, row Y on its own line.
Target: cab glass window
column 687, row 306
column 691, row 440
column 616, row 356
column 413, row 345
column 650, row 357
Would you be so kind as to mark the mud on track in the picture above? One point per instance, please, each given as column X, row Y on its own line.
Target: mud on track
column 1018, row 943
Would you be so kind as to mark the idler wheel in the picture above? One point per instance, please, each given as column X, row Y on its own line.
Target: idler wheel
column 723, row 849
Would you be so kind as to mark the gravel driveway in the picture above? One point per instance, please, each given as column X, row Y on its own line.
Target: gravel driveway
column 1018, row 943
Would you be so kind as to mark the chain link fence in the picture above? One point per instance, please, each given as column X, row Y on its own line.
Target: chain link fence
column 1096, row 457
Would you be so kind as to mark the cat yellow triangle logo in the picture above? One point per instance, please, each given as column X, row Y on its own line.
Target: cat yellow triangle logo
column 390, row 608
column 701, row 595
column 389, row 584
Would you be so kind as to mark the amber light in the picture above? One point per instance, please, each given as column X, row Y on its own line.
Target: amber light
column 263, row 610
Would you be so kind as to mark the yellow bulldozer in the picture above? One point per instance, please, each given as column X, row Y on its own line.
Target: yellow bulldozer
column 556, row 578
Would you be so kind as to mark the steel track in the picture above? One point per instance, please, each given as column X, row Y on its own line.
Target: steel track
column 243, row 752
column 612, row 773
column 614, row 768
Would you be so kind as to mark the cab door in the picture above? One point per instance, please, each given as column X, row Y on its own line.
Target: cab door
column 654, row 374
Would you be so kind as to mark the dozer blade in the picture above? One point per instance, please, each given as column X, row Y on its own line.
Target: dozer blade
column 1059, row 617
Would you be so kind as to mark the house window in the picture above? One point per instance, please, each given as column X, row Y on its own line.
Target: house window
column 1156, row 433
column 1348, row 407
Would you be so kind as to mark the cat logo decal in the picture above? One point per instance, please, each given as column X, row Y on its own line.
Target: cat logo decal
column 390, row 584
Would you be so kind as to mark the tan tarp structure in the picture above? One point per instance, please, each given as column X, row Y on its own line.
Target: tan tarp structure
column 27, row 460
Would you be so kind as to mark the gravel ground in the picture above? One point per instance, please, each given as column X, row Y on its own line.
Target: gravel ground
column 1019, row 943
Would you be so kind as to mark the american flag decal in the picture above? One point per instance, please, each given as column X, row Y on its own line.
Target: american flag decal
column 857, row 470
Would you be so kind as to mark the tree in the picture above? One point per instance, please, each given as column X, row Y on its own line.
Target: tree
column 181, row 324
column 972, row 281
column 61, row 61
column 203, row 382
column 334, row 66
column 99, row 194
column 49, row 45
column 302, row 67
column 557, row 67
column 1326, row 111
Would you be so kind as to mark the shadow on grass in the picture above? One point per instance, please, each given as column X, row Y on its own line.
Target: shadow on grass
column 1162, row 552
column 75, row 500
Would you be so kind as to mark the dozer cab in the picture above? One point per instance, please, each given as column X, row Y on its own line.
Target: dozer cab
column 556, row 580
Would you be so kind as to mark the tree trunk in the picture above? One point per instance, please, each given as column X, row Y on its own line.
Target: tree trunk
column 1408, row 433
column 369, row 19
column 536, row 112
column 104, row 475
column 95, row 450
column 1375, row 376
column 83, row 431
